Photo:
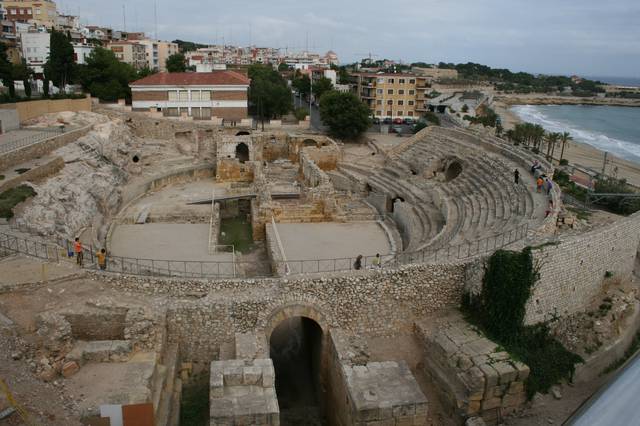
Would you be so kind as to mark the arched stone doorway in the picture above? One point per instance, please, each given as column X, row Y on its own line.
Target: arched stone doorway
column 309, row 142
column 242, row 152
column 243, row 133
column 452, row 171
column 392, row 204
column 297, row 346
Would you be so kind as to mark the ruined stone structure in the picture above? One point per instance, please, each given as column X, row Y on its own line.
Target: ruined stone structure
column 445, row 199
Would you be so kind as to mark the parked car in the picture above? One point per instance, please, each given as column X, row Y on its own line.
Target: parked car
column 397, row 120
column 408, row 121
column 376, row 120
column 396, row 129
column 387, row 120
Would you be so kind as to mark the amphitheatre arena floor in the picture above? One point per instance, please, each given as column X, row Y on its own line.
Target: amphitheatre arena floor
column 304, row 241
column 161, row 241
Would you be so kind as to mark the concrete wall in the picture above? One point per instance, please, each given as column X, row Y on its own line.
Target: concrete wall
column 9, row 119
column 41, row 148
column 33, row 109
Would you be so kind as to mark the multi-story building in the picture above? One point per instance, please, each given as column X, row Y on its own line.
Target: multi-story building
column 220, row 94
column 35, row 50
column 392, row 95
column 129, row 52
column 67, row 22
column 42, row 12
column 81, row 52
column 157, row 53
column 102, row 34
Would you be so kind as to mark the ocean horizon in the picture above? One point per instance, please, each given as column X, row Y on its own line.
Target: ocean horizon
column 619, row 81
column 608, row 128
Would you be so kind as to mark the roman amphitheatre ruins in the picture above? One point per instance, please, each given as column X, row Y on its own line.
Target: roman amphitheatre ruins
column 231, row 256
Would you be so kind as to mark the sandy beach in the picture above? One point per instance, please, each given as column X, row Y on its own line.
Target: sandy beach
column 579, row 153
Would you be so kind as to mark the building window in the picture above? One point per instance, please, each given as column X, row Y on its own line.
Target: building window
column 379, row 91
column 13, row 11
column 410, row 103
column 173, row 95
column 410, row 113
column 400, row 92
column 390, row 92
column 401, row 81
column 412, row 92
column 379, row 102
column 400, row 112
column 391, row 81
column 389, row 113
column 184, row 95
column 400, row 103
column 37, row 11
column 205, row 95
column 412, row 81
column 378, row 112
column 390, row 102
column 195, row 95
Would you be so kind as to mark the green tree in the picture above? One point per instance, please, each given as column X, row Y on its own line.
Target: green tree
column 24, row 73
column 565, row 137
column 145, row 72
column 346, row 116
column 283, row 67
column 176, row 63
column 105, row 77
column 45, row 87
column 421, row 124
column 61, row 65
column 322, row 86
column 302, row 84
column 343, row 75
column 269, row 95
column 6, row 71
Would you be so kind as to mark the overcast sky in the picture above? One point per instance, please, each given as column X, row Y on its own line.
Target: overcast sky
column 586, row 37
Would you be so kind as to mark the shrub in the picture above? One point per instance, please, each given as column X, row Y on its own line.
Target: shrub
column 431, row 117
column 301, row 113
column 12, row 197
column 564, row 162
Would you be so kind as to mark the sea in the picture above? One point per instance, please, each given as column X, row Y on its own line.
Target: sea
column 609, row 128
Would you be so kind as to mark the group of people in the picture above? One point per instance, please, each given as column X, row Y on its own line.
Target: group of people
column 78, row 251
column 543, row 183
column 376, row 262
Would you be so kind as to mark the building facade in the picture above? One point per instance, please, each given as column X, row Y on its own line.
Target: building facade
column 202, row 96
column 43, row 12
column 393, row 95
column 35, row 50
column 131, row 53
column 157, row 53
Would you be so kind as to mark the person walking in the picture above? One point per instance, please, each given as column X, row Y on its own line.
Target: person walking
column 357, row 265
column 549, row 185
column 516, row 176
column 539, row 183
column 102, row 259
column 77, row 248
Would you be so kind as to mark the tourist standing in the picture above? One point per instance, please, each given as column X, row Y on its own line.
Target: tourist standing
column 357, row 265
column 102, row 259
column 377, row 262
column 539, row 184
column 77, row 248
column 516, row 176
column 549, row 185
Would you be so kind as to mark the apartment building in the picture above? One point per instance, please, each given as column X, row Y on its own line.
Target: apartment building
column 203, row 96
column 392, row 95
column 134, row 54
column 43, row 12
column 35, row 50
column 157, row 53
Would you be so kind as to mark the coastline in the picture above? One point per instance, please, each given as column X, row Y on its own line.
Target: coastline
column 578, row 153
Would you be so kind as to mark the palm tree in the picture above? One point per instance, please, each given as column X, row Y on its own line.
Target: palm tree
column 564, row 138
column 551, row 139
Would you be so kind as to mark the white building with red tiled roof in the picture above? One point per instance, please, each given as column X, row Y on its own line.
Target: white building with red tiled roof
column 201, row 95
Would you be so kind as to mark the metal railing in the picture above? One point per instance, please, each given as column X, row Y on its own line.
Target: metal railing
column 230, row 269
column 43, row 134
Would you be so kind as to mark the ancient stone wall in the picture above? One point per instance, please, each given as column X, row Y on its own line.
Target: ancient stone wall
column 36, row 173
column 375, row 302
column 33, row 109
column 572, row 270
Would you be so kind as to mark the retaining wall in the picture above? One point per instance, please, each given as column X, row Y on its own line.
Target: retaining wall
column 39, row 172
column 33, row 109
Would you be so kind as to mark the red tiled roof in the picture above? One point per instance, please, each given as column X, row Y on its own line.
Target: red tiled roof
column 193, row 79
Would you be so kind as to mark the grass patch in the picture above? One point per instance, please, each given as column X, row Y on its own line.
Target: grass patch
column 1, row 177
column 499, row 312
column 194, row 406
column 12, row 197
column 237, row 232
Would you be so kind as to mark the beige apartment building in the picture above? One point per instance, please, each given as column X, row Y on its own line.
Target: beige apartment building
column 131, row 53
column 157, row 53
column 393, row 95
column 43, row 12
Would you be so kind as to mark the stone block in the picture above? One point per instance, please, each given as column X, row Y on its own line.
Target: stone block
column 473, row 408
column 422, row 408
column 506, row 371
column 420, row 420
column 515, row 387
column 491, row 403
column 404, row 410
column 70, row 368
column 514, row 400
column 252, row 376
column 268, row 376
column 490, row 375
column 523, row 370
column 475, row 421
column 233, row 376
column 404, row 421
